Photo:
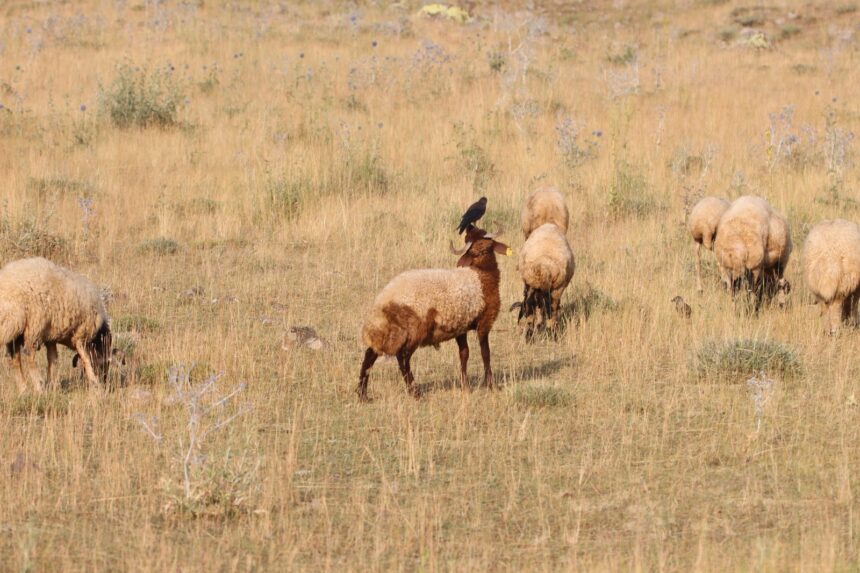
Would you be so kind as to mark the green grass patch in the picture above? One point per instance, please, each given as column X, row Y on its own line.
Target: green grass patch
column 722, row 359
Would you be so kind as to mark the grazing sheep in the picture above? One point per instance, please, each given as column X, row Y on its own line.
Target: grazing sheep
column 702, row 224
column 831, row 269
column 779, row 248
column 427, row 307
column 545, row 205
column 741, row 243
column 546, row 266
column 43, row 303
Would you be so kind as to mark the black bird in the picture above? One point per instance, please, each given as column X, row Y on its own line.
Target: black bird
column 473, row 214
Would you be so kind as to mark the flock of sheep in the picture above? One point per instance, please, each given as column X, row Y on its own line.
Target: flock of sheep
column 430, row 306
column 752, row 244
column 751, row 241
column 42, row 303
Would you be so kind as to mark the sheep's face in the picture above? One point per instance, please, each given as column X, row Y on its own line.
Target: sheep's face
column 99, row 350
column 483, row 250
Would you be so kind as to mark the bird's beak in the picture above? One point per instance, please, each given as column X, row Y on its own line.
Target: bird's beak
column 509, row 252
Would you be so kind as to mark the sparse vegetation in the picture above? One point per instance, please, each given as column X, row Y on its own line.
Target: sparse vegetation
column 138, row 97
column 737, row 358
column 228, row 172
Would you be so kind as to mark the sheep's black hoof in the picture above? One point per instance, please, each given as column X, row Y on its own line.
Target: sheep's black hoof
column 362, row 395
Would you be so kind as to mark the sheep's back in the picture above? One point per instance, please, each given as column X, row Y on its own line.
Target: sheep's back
column 779, row 244
column 704, row 218
column 58, row 302
column 742, row 235
column 425, row 306
column 546, row 261
column 545, row 205
column 831, row 259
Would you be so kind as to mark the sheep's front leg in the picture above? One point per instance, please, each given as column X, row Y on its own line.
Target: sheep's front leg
column 32, row 371
column 403, row 358
column 463, row 345
column 484, row 339
column 370, row 357
column 81, row 349
column 51, row 349
column 834, row 316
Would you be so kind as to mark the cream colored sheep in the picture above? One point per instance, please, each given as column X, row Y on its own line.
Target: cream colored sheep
column 779, row 248
column 754, row 242
column 43, row 303
column 742, row 241
column 831, row 269
column 546, row 265
column 702, row 224
column 427, row 307
column 545, row 205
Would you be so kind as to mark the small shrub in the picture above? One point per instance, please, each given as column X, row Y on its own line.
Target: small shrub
column 368, row 174
column 621, row 55
column 137, row 98
column 50, row 186
column 788, row 31
column 542, row 396
column 159, row 246
column 473, row 156
column 29, row 237
column 728, row 33
column 155, row 372
column 286, row 197
column 41, row 405
column 743, row 357
column 586, row 299
column 628, row 193
column 135, row 322
column 496, row 61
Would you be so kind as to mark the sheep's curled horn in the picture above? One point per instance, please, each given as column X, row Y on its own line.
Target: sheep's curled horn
column 459, row 252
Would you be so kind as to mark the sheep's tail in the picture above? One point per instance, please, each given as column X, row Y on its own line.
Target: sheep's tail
column 826, row 273
column 380, row 334
column 12, row 322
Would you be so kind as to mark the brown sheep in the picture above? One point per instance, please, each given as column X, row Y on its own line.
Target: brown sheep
column 430, row 306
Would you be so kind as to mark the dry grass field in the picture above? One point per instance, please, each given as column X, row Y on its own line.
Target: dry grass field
column 229, row 170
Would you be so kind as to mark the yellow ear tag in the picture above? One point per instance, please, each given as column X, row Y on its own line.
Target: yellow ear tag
column 509, row 252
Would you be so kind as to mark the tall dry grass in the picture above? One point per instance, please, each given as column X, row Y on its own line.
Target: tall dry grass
column 316, row 150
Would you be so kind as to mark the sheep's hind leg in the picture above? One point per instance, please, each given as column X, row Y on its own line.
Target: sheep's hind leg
column 484, row 339
column 463, row 345
column 32, row 370
column 699, row 286
column 403, row 358
column 370, row 357
column 17, row 366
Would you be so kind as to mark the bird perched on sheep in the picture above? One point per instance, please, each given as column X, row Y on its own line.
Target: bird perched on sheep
column 44, row 303
column 544, row 205
column 472, row 215
column 430, row 306
column 753, row 242
column 702, row 224
column 831, row 269
column 546, row 265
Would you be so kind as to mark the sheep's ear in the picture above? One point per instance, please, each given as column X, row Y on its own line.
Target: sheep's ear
column 502, row 249
column 465, row 261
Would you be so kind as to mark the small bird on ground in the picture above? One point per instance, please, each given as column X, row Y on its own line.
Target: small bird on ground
column 473, row 214
column 682, row 307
